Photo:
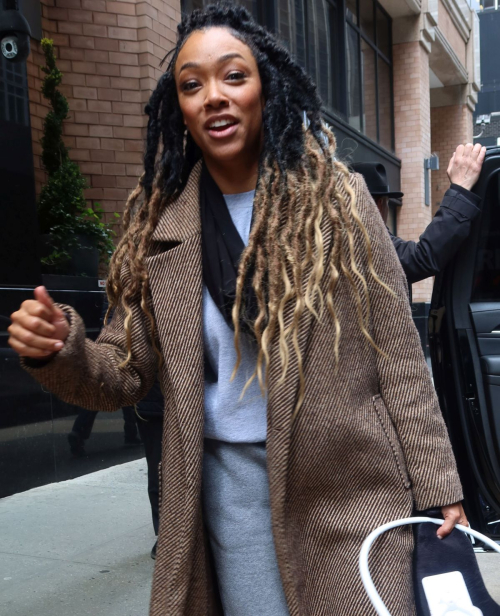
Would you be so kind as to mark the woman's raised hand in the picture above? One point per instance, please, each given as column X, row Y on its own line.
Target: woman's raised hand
column 38, row 328
column 465, row 165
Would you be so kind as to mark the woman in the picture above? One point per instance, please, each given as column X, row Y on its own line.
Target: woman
column 349, row 425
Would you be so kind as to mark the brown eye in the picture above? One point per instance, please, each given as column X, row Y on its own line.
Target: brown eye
column 188, row 86
column 236, row 76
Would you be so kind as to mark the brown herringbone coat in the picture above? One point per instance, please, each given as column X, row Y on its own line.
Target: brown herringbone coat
column 369, row 443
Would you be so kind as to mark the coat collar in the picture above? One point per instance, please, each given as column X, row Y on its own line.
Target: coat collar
column 180, row 219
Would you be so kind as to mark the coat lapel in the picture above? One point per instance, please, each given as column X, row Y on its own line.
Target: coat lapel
column 180, row 220
column 175, row 278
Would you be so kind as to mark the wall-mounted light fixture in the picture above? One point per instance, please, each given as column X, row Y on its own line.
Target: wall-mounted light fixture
column 430, row 164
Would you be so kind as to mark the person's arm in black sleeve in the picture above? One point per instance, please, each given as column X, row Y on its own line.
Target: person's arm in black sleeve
column 452, row 223
column 442, row 238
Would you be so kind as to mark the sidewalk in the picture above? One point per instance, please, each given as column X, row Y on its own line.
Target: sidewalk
column 78, row 547
column 81, row 547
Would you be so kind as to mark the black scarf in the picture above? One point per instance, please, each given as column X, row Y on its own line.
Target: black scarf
column 222, row 247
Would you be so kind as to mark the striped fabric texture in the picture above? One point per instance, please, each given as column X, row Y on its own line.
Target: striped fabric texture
column 368, row 445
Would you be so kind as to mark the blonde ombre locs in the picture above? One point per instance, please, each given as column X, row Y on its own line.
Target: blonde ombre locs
column 287, row 249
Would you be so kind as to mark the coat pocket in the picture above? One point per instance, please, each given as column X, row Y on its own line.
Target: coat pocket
column 392, row 437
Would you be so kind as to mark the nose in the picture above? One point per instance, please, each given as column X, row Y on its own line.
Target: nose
column 215, row 98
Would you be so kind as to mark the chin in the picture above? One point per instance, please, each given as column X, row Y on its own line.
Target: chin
column 224, row 154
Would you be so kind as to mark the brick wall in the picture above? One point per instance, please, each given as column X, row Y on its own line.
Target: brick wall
column 38, row 108
column 369, row 90
column 450, row 126
column 413, row 143
column 108, row 53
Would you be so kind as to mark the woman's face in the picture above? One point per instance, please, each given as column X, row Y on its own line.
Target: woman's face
column 220, row 95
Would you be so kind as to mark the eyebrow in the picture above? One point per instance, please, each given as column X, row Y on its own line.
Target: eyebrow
column 221, row 60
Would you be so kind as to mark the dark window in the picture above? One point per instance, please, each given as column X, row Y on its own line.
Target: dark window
column 313, row 31
column 369, row 28
column 487, row 270
column 383, row 33
column 14, row 101
column 291, row 28
column 251, row 5
column 320, row 57
column 366, row 18
column 353, row 79
column 385, row 113
column 352, row 10
column 369, row 79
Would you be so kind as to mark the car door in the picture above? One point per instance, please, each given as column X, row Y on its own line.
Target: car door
column 464, row 336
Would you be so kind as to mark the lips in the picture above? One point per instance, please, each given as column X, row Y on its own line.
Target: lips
column 222, row 126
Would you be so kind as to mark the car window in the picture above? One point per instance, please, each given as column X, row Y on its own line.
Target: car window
column 487, row 269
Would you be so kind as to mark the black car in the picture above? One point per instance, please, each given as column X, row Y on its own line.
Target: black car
column 464, row 340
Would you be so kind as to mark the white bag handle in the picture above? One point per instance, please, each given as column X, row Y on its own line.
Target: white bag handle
column 368, row 542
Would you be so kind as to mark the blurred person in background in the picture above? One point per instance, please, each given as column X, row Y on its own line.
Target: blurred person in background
column 452, row 222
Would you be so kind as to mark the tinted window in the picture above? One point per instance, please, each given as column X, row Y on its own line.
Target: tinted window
column 353, row 82
column 189, row 5
column 369, row 71
column 13, row 92
column 369, row 90
column 320, row 41
column 366, row 14
column 383, row 33
column 352, row 10
column 487, row 270
column 313, row 31
column 385, row 112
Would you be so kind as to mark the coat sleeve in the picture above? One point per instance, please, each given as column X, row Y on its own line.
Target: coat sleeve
column 442, row 237
column 404, row 379
column 88, row 373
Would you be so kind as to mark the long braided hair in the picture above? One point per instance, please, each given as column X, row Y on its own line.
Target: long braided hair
column 300, row 182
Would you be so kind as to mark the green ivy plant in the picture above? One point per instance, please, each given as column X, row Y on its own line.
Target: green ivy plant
column 63, row 212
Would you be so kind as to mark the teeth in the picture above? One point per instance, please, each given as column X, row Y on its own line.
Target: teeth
column 220, row 123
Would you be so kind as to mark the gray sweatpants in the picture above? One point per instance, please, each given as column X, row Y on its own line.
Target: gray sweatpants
column 238, row 519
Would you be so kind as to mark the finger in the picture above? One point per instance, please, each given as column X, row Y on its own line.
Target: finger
column 468, row 149
column 445, row 529
column 482, row 155
column 33, row 308
column 460, row 150
column 35, row 324
column 42, row 295
column 476, row 150
column 32, row 340
column 25, row 351
column 450, row 164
